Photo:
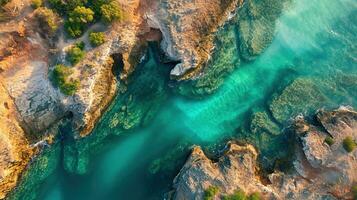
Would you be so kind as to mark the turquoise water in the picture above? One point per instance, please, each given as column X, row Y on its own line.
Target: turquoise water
column 310, row 63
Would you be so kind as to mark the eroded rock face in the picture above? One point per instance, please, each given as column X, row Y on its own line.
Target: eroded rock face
column 235, row 169
column 188, row 28
column 15, row 150
column 26, row 61
column 320, row 171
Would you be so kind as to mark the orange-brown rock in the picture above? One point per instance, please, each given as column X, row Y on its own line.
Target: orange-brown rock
column 15, row 150
column 321, row 171
column 188, row 28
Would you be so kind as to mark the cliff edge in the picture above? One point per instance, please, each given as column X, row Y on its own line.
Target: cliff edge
column 323, row 168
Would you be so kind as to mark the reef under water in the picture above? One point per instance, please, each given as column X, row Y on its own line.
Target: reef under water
column 273, row 61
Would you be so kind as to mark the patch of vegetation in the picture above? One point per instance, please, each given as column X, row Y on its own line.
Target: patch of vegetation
column 96, row 38
column 255, row 196
column 349, row 144
column 64, row 7
column 241, row 195
column 354, row 191
column 3, row 2
column 36, row 3
column 111, row 12
column 61, row 79
column 48, row 20
column 76, row 53
column 210, row 192
column 77, row 20
column 80, row 13
column 329, row 140
column 238, row 195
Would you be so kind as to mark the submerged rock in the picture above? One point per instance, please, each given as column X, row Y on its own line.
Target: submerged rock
column 134, row 107
column 304, row 95
column 41, row 168
column 320, row 171
column 256, row 25
column 188, row 29
column 244, row 36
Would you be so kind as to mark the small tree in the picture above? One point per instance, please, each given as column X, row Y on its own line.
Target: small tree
column 61, row 79
column 81, row 15
column 96, row 38
column 354, row 191
column 77, row 20
column 73, row 4
column 254, row 196
column 238, row 195
column 73, row 30
column 96, row 5
column 3, row 2
column 348, row 144
column 36, row 3
column 76, row 53
column 111, row 12
column 210, row 192
column 58, row 5
column 329, row 140
column 48, row 20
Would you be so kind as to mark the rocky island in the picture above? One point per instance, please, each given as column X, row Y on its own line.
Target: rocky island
column 88, row 85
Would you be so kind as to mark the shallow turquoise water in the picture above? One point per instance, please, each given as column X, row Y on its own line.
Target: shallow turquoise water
column 314, row 39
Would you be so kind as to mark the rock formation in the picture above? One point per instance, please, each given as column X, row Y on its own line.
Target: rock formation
column 320, row 171
column 188, row 28
column 15, row 150
column 33, row 105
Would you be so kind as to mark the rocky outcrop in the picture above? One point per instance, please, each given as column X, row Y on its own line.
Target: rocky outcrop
column 188, row 29
column 235, row 169
column 15, row 150
column 321, row 171
column 26, row 60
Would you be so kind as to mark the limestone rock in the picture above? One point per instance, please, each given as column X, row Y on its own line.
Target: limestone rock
column 320, row 171
column 15, row 150
column 188, row 28
column 234, row 170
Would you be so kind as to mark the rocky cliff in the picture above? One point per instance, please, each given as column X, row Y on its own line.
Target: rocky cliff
column 15, row 150
column 33, row 106
column 188, row 29
column 322, row 170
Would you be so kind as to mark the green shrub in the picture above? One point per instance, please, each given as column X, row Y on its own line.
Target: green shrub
column 73, row 4
column 64, row 7
column 329, row 140
column 61, row 79
column 36, row 3
column 48, row 20
column 111, row 12
column 77, row 20
column 73, row 30
column 3, row 2
column 254, row 196
column 210, row 192
column 76, row 53
column 80, row 45
column 349, row 144
column 354, row 191
column 81, row 15
column 96, row 5
column 58, row 5
column 96, row 38
column 238, row 195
